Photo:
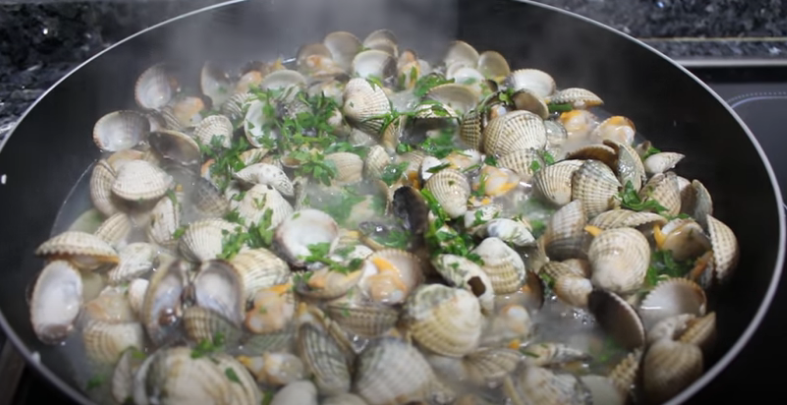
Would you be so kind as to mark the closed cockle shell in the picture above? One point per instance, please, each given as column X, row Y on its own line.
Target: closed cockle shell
column 214, row 126
column 521, row 162
column 266, row 174
column 617, row 128
column 578, row 98
column 444, row 320
column 488, row 367
column 565, row 236
column 243, row 387
column 164, row 222
column 661, row 162
column 625, row 373
column 258, row 200
column 663, row 188
column 115, row 230
column 56, row 301
column 573, row 290
column 218, row 287
column 457, row 96
column 668, row 368
column 176, row 146
column 365, row 320
column 461, row 272
column 110, row 305
column 259, row 269
column 470, row 132
column 203, row 240
column 391, row 371
column 205, row 324
column 537, row 81
column 617, row 318
column 349, row 167
column 122, row 380
column 670, row 298
column 120, row 130
column 136, row 259
column 542, row 386
column 628, row 164
column 620, row 259
column 155, row 87
column 207, row 200
column 503, row 265
column 82, row 249
column 105, row 342
column 139, row 180
column 554, row 182
column 514, row 131
column 451, row 190
column 101, row 181
column 622, row 218
column 376, row 161
column 596, row 186
column 726, row 251
column 323, row 360
column 176, row 373
column 364, row 104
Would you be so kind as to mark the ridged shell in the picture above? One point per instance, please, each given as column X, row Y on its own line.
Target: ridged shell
column 555, row 270
column 376, row 161
column 668, row 368
column 120, row 130
column 542, row 386
column 622, row 218
column 258, row 200
column 203, row 324
column 266, row 174
column 101, row 180
column 697, row 202
column 115, row 230
column 672, row 297
column 460, row 52
column 578, row 98
column 663, row 188
column 390, row 275
column 529, row 101
column 451, row 190
column 155, row 87
column 458, row 97
column 489, row 367
column 365, row 320
column 123, row 374
column 503, row 265
column 617, row 318
column 207, row 200
column 105, row 342
column 552, row 354
column 297, row 392
column 603, row 153
column 275, row 369
column 139, row 180
column 596, row 186
column 203, row 239
column 374, row 63
column 617, row 128
column 56, row 301
column 325, row 283
column 471, row 130
column 573, row 290
column 565, row 237
column 390, row 371
column 620, row 259
column 684, row 238
column 521, row 162
column 726, row 251
column 162, row 305
column 534, row 80
column 444, row 320
column 323, row 360
column 514, row 131
column 628, row 165
column 233, row 107
column 176, row 146
column 259, row 269
column 364, row 104
column 177, row 374
column 214, row 126
column 136, row 295
column 82, row 249
column 625, row 373
column 661, row 162
column 164, row 221
column 282, row 79
column 701, row 332
column 349, row 167
column 554, row 182
column 343, row 399
column 301, row 229
column 493, row 65
column 463, row 273
column 136, row 259
column 343, row 47
column 242, row 385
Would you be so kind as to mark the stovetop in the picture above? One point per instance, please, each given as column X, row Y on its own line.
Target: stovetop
column 759, row 95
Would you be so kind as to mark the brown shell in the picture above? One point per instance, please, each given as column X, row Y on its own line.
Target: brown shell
column 565, row 237
column 618, row 318
column 726, row 251
column 668, row 368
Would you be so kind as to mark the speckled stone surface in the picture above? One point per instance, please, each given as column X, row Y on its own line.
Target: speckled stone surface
column 39, row 43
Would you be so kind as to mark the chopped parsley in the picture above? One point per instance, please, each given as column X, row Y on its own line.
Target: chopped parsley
column 225, row 161
column 403, row 148
column 663, row 265
column 549, row 160
column 232, row 375
column 478, row 218
column 206, row 347
column 441, row 145
column 651, row 151
column 315, row 166
column 393, row 172
column 345, row 146
column 427, row 82
column 438, row 168
column 397, row 239
column 257, row 235
column 560, row 107
column 629, row 198
column 535, row 166
column 538, row 227
column 480, row 191
column 341, row 205
column 95, row 382
column 547, row 279
column 490, row 160
column 179, row 232
column 173, row 197
column 267, row 397
column 319, row 252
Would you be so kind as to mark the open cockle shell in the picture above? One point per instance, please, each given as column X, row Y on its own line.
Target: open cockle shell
column 302, row 229
column 451, row 190
column 542, row 386
column 695, row 200
column 364, row 104
column 509, row 230
column 260, row 199
column 701, row 332
column 573, row 290
column 297, row 392
column 217, row 126
column 617, row 128
column 161, row 309
column 661, row 162
column 259, row 269
column 493, row 65
column 538, row 82
column 274, row 369
column 343, row 47
column 578, row 98
column 384, row 40
column 349, row 167
column 389, row 276
column 374, row 63
column 672, row 297
column 266, row 174
column 684, row 238
column 552, row 354
column 203, row 240
column 215, row 83
column 460, row 52
column 115, row 230
column 620, row 259
column 219, row 287
column 283, row 79
column 554, row 181
column 176, row 376
column 458, row 97
column 101, row 180
column 365, row 320
column 565, row 237
column 514, row 131
column 56, row 301
column 105, row 342
column 623, row 218
column 139, row 181
column 628, row 165
column 155, row 87
column 120, row 130
column 726, row 251
column 618, row 318
column 164, row 222
column 391, row 371
column 176, row 146
column 663, row 188
column 503, row 265
column 136, row 259
column 83, row 250
column 625, row 373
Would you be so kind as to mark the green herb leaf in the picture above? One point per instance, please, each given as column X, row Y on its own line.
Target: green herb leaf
column 267, row 397
column 651, row 151
column 549, row 160
column 403, row 148
column 340, row 206
column 230, row 373
column 179, row 232
column 538, row 227
column 173, row 197
column 663, row 265
column 490, row 160
column 427, row 82
column 480, row 191
column 441, row 145
column 393, row 172
column 95, row 382
column 438, row 168
column 629, row 198
column 397, row 239
column 206, row 347
column 535, row 166
column 560, row 107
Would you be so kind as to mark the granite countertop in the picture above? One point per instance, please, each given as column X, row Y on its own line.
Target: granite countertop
column 41, row 42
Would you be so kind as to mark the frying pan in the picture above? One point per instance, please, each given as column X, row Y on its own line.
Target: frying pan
column 51, row 147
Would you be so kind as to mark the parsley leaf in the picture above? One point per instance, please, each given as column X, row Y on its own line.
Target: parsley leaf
column 490, row 160
column 319, row 252
column 560, row 107
column 651, row 151
column 427, row 82
column 314, row 165
column 206, row 347
column 663, row 265
column 340, row 206
column 439, row 146
column 438, row 168
column 397, row 239
column 232, row 375
column 393, row 172
column 629, row 198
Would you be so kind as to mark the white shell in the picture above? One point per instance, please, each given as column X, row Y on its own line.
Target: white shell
column 203, row 240
column 214, row 126
column 509, row 230
column 164, row 221
column 391, row 371
column 139, row 180
column 136, row 259
column 120, row 130
column 105, row 342
column 263, row 173
column 258, row 200
column 56, row 300
column 101, row 188
column 302, row 229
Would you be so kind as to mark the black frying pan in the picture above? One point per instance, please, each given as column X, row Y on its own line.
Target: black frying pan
column 51, row 147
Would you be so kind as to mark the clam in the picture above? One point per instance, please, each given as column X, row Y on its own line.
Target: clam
column 695, row 201
column 444, row 320
column 257, row 124
column 626, row 372
column 536, row 81
column 266, row 174
column 178, row 377
column 324, row 360
column 552, row 354
column 684, row 238
column 349, row 167
column 302, row 229
column 139, row 181
column 83, row 250
column 376, row 161
column 464, row 160
column 120, row 130
column 218, row 287
column 183, row 113
column 297, row 392
column 176, row 146
column 374, row 63
column 511, row 323
column 136, row 295
column 203, row 240
column 207, row 200
column 382, row 39
column 471, row 129
column 463, row 273
column 495, row 181
column 214, row 127
column 161, row 310
column 110, row 305
column 663, row 188
column 343, row 399
column 215, row 83
column 276, row 369
column 364, row 105
column 573, row 290
column 579, row 98
column 554, row 182
column 565, row 237
column 595, row 185
column 467, row 76
column 668, row 368
column 243, row 388
column 618, row 318
column 700, row 331
column 542, row 386
column 622, row 218
column 493, row 65
column 528, row 101
column 101, row 180
column 661, row 162
column 389, row 276
column 343, row 47
column 105, row 342
column 272, row 310
column 460, row 52
column 55, row 302
column 451, row 190
column 670, row 298
column 514, row 131
column 617, row 128
column 410, row 206
column 259, row 269
column 326, row 283
column 135, row 260
column 164, row 222
column 367, row 320
column 628, row 164
column 204, row 324
column 503, row 265
column 458, row 97
column 620, row 259
column 488, row 367
column 115, row 230
column 121, row 157
column 726, row 251
column 262, row 204
column 475, row 219
column 155, row 87
column 603, row 153
column 521, row 162
column 123, row 374
column 571, row 267
column 283, row 79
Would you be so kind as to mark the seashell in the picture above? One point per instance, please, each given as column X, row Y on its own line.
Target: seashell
column 390, row 371
column 726, row 251
column 596, row 186
column 243, row 388
column 136, row 260
column 315, row 61
column 542, row 386
column 382, row 39
column 105, row 342
column 697, row 202
column 83, row 250
column 622, row 218
column 136, row 295
column 365, row 320
column 514, row 131
column 364, row 104
column 374, row 63
column 521, row 162
column 625, row 373
column 618, row 318
column 204, row 324
column 183, row 113
column 349, row 167
column 343, row 47
column 155, row 87
column 389, row 275
column 489, row 367
column 121, row 157
column 444, row 320
column 668, row 368
column 467, row 76
column 276, row 369
column 343, row 399
column 556, row 270
column 261, row 201
column 496, row 181
column 602, row 390
column 273, row 309
column 101, row 180
column 528, row 101
column 215, row 83
column 176, row 146
column 603, row 153
column 164, row 222
column 461, row 272
column 283, row 79
column 620, row 259
column 256, row 155
column 266, row 174
column 684, row 238
column 554, row 182
column 297, row 392
column 219, row 288
column 464, row 160
column 663, row 188
column 161, row 309
column 552, row 354
column 178, row 375
column 669, row 328
column 376, row 161
column 120, row 130
column 323, row 360
column 139, row 180
column 578, row 98
column 233, row 106
column 259, row 269
column 661, row 162
column 536, row 81
column 110, row 305
column 512, row 321
column 123, row 374
column 458, row 97
column 214, row 126
column 573, row 290
column 617, row 128
column 503, row 265
column 471, row 129
column 578, row 123
column 257, row 125
column 478, row 217
column 302, row 229
column 203, row 239
column 325, row 283
column 700, row 332
column 672, row 297
column 493, row 65
column 115, row 230
column 56, row 301
column 460, row 52
column 207, row 200
column 451, row 190
column 565, row 237
column 628, row 164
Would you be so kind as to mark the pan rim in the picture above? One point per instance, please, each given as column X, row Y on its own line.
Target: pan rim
column 686, row 394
